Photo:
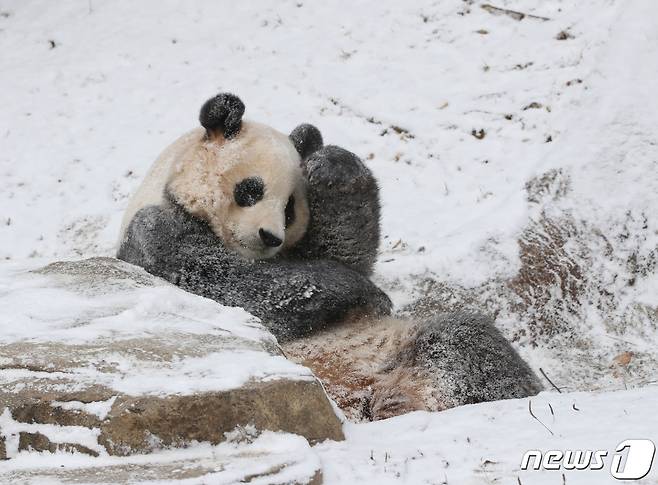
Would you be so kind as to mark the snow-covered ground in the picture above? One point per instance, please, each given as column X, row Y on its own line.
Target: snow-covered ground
column 477, row 444
column 518, row 162
column 485, row 443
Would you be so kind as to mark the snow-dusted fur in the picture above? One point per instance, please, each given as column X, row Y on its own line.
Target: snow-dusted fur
column 293, row 297
column 344, row 201
column 182, row 223
column 200, row 172
column 379, row 368
column 185, row 226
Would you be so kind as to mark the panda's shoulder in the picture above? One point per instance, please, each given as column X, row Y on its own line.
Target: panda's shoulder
column 151, row 190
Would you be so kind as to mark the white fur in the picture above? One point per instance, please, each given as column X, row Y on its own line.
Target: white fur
column 355, row 360
column 151, row 190
column 201, row 173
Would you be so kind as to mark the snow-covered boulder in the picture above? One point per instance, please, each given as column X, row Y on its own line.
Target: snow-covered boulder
column 99, row 357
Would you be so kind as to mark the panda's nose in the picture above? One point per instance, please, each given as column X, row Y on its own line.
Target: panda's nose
column 269, row 239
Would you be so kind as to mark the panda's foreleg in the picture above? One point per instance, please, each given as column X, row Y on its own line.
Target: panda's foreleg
column 344, row 203
column 292, row 298
column 151, row 239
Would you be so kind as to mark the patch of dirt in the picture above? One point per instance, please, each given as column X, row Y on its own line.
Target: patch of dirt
column 551, row 281
column 553, row 184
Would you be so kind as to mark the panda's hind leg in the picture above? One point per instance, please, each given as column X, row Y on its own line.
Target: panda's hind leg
column 467, row 360
column 377, row 368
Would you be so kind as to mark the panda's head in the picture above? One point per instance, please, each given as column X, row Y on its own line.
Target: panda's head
column 245, row 179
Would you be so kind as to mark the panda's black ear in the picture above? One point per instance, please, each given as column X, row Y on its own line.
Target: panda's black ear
column 222, row 114
column 307, row 140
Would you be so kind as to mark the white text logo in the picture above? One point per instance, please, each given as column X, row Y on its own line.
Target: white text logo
column 632, row 459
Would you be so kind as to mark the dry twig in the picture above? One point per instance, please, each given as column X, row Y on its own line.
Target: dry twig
column 550, row 381
column 511, row 13
column 537, row 419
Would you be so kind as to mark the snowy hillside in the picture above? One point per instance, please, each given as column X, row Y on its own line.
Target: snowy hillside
column 517, row 157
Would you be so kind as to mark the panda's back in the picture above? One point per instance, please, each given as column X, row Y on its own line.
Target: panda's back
column 151, row 190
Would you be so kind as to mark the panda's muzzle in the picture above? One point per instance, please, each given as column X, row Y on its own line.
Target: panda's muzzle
column 269, row 239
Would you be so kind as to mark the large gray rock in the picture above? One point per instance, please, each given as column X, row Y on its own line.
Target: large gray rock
column 99, row 357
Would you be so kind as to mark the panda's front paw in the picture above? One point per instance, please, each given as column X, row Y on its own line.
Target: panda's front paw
column 351, row 290
column 336, row 169
column 378, row 304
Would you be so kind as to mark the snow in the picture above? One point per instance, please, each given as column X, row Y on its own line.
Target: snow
column 81, row 435
column 268, row 459
column 219, row 371
column 98, row 408
column 475, row 444
column 153, row 339
column 485, row 443
column 404, row 85
column 117, row 311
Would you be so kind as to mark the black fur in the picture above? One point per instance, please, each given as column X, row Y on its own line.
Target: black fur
column 290, row 214
column 469, row 360
column 293, row 298
column 249, row 191
column 307, row 139
column 223, row 114
column 343, row 197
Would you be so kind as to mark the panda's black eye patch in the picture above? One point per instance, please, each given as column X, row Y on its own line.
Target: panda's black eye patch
column 290, row 211
column 249, row 191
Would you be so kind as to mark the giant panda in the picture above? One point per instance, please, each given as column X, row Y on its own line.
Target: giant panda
column 288, row 229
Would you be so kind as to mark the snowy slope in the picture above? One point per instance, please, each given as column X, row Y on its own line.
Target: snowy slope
column 518, row 160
